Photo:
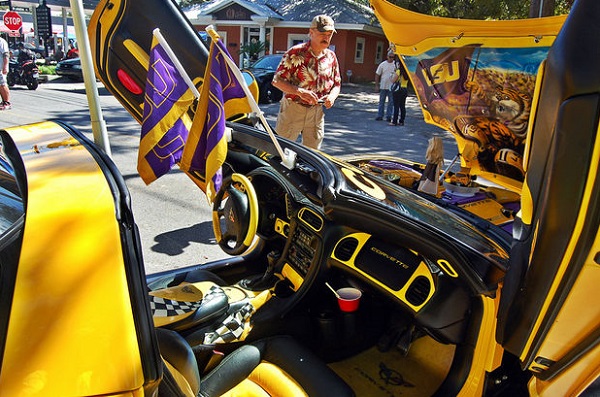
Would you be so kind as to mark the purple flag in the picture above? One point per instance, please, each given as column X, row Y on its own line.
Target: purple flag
column 166, row 122
column 221, row 96
column 446, row 73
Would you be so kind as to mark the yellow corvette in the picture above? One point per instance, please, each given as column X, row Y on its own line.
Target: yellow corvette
column 475, row 281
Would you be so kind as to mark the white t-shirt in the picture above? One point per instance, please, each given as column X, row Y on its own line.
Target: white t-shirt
column 3, row 50
column 386, row 71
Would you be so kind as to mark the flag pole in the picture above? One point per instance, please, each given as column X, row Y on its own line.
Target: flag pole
column 99, row 130
column 156, row 33
column 288, row 157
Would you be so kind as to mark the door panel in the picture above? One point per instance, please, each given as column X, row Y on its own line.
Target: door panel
column 547, row 315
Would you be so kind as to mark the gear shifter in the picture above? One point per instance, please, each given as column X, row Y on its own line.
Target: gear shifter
column 267, row 280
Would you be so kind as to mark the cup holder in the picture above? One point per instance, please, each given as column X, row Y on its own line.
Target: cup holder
column 337, row 329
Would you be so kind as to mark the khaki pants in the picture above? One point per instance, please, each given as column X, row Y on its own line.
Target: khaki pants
column 294, row 119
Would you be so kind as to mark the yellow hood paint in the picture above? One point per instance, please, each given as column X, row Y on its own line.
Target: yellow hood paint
column 417, row 33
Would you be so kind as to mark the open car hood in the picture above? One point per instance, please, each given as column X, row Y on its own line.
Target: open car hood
column 475, row 79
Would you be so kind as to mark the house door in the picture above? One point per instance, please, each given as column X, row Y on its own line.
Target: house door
column 256, row 42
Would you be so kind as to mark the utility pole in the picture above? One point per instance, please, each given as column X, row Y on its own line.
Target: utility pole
column 541, row 8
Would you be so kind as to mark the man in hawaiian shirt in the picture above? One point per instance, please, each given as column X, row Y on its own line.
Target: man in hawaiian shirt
column 309, row 76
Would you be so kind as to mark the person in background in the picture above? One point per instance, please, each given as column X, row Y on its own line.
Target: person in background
column 73, row 52
column 25, row 54
column 4, row 62
column 383, row 81
column 59, row 54
column 399, row 95
column 309, row 77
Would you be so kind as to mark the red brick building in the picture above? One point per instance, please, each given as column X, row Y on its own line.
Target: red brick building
column 360, row 44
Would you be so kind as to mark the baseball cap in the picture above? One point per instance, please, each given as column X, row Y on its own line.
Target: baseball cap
column 323, row 23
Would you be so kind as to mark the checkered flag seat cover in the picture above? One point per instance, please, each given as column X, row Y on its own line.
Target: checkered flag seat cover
column 237, row 325
column 188, row 305
column 205, row 306
column 233, row 327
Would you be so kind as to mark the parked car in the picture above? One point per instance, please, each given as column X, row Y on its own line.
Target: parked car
column 70, row 68
column 263, row 71
column 38, row 51
column 481, row 291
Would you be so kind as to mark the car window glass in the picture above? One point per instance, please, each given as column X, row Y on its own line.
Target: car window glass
column 270, row 62
column 11, row 202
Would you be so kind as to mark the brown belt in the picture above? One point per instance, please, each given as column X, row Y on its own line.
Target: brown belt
column 306, row 105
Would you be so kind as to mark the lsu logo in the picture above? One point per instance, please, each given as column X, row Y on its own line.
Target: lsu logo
column 441, row 73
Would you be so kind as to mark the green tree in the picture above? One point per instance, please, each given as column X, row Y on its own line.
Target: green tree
column 471, row 9
column 188, row 3
column 253, row 49
column 549, row 7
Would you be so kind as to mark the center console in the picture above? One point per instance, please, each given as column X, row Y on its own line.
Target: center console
column 302, row 250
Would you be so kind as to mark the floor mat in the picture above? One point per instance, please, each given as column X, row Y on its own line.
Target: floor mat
column 390, row 374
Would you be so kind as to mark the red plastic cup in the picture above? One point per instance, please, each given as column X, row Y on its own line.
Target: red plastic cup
column 349, row 298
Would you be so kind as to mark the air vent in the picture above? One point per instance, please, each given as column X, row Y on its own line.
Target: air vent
column 418, row 291
column 311, row 219
column 345, row 249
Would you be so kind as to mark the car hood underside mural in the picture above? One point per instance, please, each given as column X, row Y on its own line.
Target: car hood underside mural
column 475, row 79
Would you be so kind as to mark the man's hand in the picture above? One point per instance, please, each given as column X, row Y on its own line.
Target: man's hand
column 327, row 102
column 308, row 96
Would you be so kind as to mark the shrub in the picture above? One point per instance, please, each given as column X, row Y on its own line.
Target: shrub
column 45, row 69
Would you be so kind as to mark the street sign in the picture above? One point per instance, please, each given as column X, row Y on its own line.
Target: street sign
column 44, row 21
column 5, row 3
column 12, row 20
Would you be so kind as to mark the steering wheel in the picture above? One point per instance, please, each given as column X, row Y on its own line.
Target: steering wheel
column 239, row 212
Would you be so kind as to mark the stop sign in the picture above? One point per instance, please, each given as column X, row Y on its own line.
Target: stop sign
column 13, row 20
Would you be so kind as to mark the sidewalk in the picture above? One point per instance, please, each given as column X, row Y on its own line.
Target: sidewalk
column 350, row 126
column 351, row 129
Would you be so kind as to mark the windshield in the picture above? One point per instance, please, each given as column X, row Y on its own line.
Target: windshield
column 268, row 62
column 421, row 210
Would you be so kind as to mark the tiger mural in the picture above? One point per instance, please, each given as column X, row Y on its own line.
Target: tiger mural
column 513, row 109
column 500, row 136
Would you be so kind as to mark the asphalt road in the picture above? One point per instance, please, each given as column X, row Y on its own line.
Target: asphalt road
column 173, row 215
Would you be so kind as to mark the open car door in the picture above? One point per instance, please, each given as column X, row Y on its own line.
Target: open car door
column 523, row 102
column 121, row 31
column 548, row 315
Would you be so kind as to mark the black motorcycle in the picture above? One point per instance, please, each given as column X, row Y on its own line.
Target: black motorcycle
column 23, row 73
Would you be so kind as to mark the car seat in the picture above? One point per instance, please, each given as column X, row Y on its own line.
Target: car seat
column 273, row 366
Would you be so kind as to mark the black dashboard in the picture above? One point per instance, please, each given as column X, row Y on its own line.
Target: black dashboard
column 299, row 228
column 327, row 216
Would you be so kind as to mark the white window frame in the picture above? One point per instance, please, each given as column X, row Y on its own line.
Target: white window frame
column 296, row 37
column 223, row 35
column 359, row 53
column 379, row 52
